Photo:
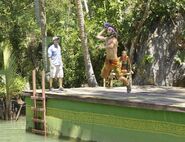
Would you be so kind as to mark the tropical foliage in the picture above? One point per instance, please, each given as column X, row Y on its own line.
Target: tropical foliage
column 134, row 20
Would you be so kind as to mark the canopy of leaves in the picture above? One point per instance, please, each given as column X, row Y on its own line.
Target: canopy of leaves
column 19, row 26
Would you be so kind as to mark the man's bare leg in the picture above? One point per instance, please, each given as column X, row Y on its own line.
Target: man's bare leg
column 126, row 82
column 51, row 84
column 60, row 81
column 104, row 82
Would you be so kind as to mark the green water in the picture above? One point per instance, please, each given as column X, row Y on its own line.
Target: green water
column 14, row 131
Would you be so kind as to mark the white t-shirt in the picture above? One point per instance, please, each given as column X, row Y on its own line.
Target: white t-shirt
column 54, row 52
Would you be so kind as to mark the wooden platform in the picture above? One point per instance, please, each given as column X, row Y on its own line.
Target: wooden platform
column 112, row 115
column 148, row 97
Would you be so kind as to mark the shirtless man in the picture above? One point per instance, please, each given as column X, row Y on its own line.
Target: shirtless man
column 112, row 60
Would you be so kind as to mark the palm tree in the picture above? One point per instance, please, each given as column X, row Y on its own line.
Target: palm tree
column 11, row 82
column 88, row 65
column 8, row 73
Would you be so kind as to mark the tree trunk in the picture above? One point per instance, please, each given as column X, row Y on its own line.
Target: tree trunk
column 156, row 57
column 139, row 29
column 37, row 11
column 7, row 99
column 8, row 68
column 88, row 65
column 86, row 6
column 43, row 32
column 7, row 108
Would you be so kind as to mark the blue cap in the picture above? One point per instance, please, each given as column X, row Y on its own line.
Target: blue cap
column 106, row 25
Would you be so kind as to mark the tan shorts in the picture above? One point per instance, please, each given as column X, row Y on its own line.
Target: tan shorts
column 111, row 65
column 56, row 71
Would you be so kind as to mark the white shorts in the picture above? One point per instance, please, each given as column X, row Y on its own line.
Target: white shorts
column 56, row 71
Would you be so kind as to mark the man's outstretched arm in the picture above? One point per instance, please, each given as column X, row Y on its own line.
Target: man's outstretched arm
column 100, row 35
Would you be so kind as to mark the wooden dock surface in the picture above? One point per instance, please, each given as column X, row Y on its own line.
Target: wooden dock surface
column 148, row 97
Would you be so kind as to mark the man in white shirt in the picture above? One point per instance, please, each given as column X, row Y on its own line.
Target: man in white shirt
column 56, row 64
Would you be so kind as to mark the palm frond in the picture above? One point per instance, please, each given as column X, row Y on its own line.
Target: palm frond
column 9, row 69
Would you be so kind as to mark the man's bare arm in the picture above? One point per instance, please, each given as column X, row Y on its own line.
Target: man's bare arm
column 100, row 35
column 50, row 60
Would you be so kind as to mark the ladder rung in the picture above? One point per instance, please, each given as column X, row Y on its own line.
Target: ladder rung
column 38, row 120
column 37, row 109
column 37, row 98
column 38, row 131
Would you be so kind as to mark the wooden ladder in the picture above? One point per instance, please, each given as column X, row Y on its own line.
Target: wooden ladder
column 39, row 110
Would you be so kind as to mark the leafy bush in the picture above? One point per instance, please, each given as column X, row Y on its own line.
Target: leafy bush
column 16, row 87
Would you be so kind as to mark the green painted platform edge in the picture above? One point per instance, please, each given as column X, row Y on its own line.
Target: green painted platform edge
column 118, row 122
column 112, row 121
column 138, row 113
column 93, row 132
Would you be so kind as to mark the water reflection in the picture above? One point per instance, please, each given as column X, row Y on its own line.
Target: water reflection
column 12, row 131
